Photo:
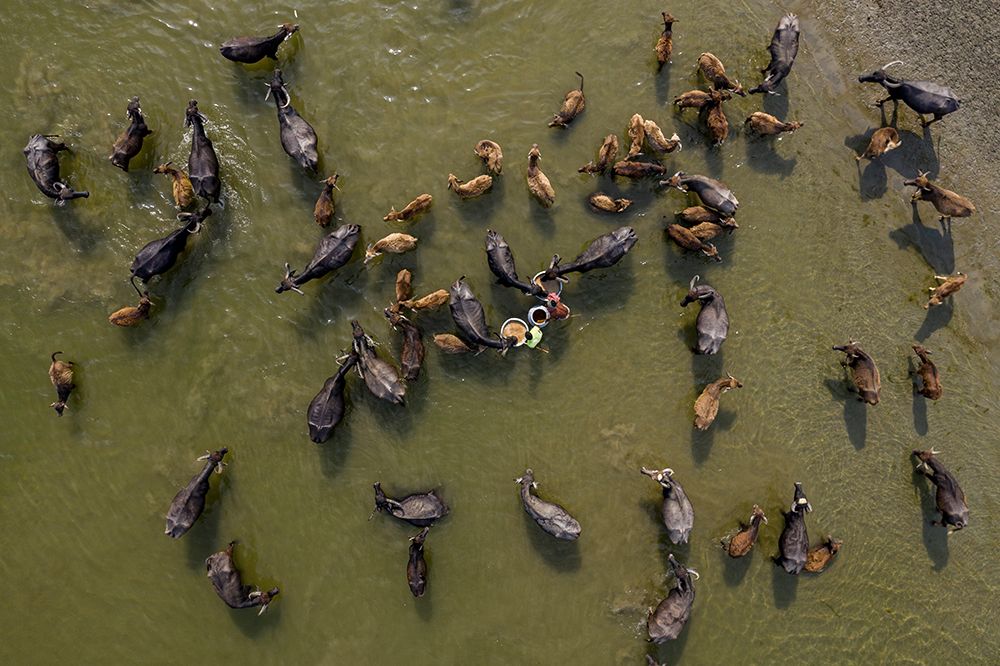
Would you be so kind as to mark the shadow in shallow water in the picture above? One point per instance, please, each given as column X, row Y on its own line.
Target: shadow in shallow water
column 855, row 413
column 935, row 537
column 734, row 569
column 79, row 236
column 936, row 246
column 786, row 587
column 562, row 556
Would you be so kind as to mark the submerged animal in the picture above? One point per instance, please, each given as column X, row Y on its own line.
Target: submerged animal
column 928, row 373
column 159, row 256
column 189, row 501
column 630, row 169
column 416, row 565
column 678, row 514
column 713, row 319
column 949, row 498
column 254, row 49
column 741, row 542
column 129, row 143
column 411, row 358
column 491, row 153
column 603, row 252
column 394, row 243
column 685, row 238
column 333, row 251
column 538, row 182
column 665, row 44
column 203, row 164
column 819, row 557
column 601, row 201
column 794, row 541
column 42, row 155
column 500, row 259
column 327, row 408
column 714, row 71
column 865, row 377
column 228, row 583
column 410, row 210
column 713, row 194
column 783, row 48
column 61, row 376
column 572, row 106
column 706, row 407
column 451, row 344
column 606, row 155
column 325, row 208
column 552, row 518
column 882, row 141
column 668, row 619
column 767, row 125
column 132, row 316
column 181, row 187
column 381, row 378
column 655, row 139
column 949, row 204
column 420, row 509
column 470, row 189
column 924, row 97
column 298, row 137
column 470, row 319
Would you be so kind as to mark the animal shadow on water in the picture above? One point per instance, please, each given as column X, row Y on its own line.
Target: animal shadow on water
column 761, row 155
column 662, row 83
column 563, row 556
column 479, row 210
column 935, row 243
column 935, row 537
column 855, row 411
column 734, row 569
column 82, row 238
column 203, row 537
column 777, row 104
column 786, row 586
column 936, row 318
column 919, row 402
column 333, row 452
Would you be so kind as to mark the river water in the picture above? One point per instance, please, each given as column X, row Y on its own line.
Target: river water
column 399, row 93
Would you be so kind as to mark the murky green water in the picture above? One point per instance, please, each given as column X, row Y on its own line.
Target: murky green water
column 399, row 94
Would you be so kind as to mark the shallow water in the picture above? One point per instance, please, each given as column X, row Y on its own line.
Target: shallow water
column 399, row 94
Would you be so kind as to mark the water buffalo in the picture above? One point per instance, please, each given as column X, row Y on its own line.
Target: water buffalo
column 333, row 251
column 254, row 49
column 668, row 619
column 203, row 165
column 712, row 193
column 298, row 138
column 380, row 377
column 794, row 541
column 501, row 262
column 416, row 565
column 327, row 408
column 43, row 167
column 420, row 509
column 229, row 585
column 950, row 498
column 924, row 97
column 550, row 517
column 713, row 320
column 470, row 318
column 129, row 143
column 160, row 255
column 572, row 106
column 784, row 47
column 189, row 501
column 603, row 252
column 61, row 376
column 741, row 542
column 865, row 377
column 411, row 358
column 678, row 515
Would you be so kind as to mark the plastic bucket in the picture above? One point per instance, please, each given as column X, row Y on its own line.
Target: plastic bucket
column 515, row 328
column 539, row 316
column 549, row 286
